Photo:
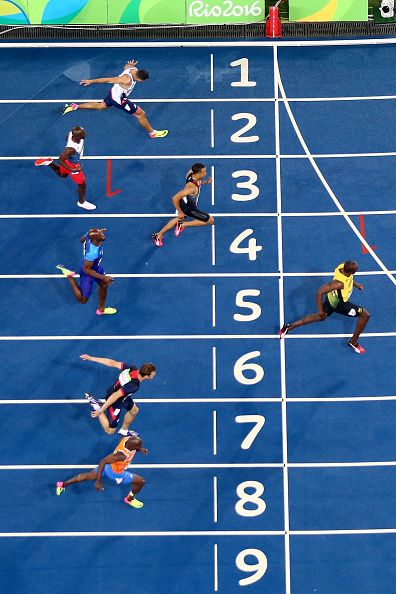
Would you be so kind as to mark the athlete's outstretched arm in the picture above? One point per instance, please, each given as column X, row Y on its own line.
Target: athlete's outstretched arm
column 113, row 398
column 118, row 457
column 102, row 361
column 332, row 286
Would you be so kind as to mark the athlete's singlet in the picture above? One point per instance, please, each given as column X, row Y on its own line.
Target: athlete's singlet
column 338, row 295
column 119, row 467
column 118, row 93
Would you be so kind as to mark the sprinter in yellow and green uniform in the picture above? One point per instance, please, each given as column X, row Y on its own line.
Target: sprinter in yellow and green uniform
column 337, row 294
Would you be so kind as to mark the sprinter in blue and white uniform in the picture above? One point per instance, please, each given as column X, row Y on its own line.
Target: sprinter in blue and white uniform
column 91, row 271
column 118, row 97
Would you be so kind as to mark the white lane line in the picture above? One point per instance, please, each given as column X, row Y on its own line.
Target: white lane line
column 213, row 185
column 282, row 344
column 211, row 73
column 195, row 157
column 196, row 337
column 215, row 214
column 214, row 368
column 139, row 466
column 212, row 129
column 213, row 306
column 215, row 502
column 214, row 421
column 200, row 275
column 276, row 400
column 213, row 245
column 324, row 181
column 212, row 99
column 204, row 44
column 280, row 465
column 189, row 533
column 216, row 568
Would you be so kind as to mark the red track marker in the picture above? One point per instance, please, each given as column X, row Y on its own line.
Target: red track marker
column 109, row 193
column 363, row 232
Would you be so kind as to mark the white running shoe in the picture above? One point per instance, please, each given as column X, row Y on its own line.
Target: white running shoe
column 86, row 205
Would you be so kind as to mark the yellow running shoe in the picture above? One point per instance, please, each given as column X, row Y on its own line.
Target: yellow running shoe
column 134, row 503
column 158, row 133
column 107, row 310
column 65, row 271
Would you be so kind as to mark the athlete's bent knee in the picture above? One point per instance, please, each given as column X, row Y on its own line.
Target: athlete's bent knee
column 110, row 430
column 211, row 221
column 365, row 314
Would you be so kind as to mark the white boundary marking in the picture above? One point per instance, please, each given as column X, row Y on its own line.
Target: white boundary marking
column 213, row 245
column 281, row 321
column 204, row 44
column 200, row 275
column 195, row 336
column 216, row 214
column 211, row 99
column 216, row 568
column 324, row 181
column 215, row 500
column 178, row 533
column 258, row 465
column 277, row 400
column 212, row 129
column 208, row 157
column 213, row 306
column 213, row 185
column 211, row 73
column 214, row 433
column 214, row 368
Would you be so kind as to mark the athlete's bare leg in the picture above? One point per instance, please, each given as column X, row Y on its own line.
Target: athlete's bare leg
column 130, row 417
column 137, row 484
column 76, row 290
column 143, row 121
column 309, row 319
column 360, row 326
column 81, row 191
column 80, row 478
column 92, row 105
column 102, row 293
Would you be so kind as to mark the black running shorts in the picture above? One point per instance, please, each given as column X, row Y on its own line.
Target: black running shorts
column 345, row 308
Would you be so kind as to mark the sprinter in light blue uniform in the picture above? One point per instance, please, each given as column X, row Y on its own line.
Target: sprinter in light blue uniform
column 91, row 271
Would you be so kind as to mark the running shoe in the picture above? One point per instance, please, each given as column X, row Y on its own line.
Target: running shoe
column 158, row 133
column 86, row 205
column 134, row 503
column 93, row 403
column 356, row 347
column 157, row 240
column 59, row 488
column 65, row 271
column 179, row 228
column 107, row 311
column 284, row 330
column 45, row 161
column 68, row 108
column 128, row 433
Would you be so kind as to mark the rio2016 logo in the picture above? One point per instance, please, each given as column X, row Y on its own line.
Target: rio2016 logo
column 226, row 9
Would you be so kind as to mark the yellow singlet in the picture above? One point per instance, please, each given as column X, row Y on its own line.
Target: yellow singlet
column 338, row 295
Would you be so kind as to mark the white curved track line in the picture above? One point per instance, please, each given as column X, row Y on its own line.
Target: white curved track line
column 323, row 179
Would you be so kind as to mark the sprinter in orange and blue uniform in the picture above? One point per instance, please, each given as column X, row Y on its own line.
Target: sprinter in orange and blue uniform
column 113, row 467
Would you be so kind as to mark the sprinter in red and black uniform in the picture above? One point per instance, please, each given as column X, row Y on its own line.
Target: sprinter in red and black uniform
column 186, row 204
column 119, row 395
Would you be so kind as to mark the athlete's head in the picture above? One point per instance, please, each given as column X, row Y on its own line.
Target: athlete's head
column 134, row 443
column 147, row 371
column 350, row 266
column 78, row 133
column 97, row 235
column 141, row 75
column 198, row 170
